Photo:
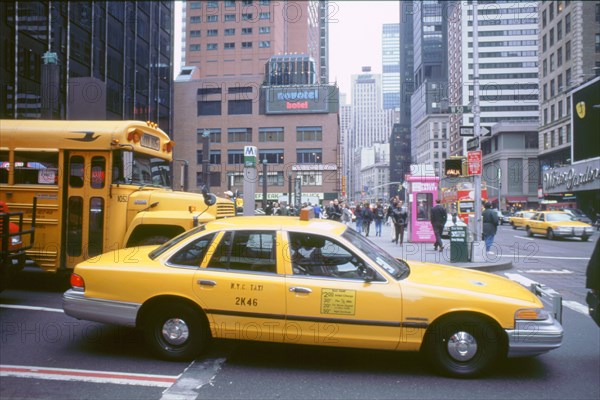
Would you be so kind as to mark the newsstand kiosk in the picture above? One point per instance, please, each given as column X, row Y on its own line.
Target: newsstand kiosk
column 422, row 194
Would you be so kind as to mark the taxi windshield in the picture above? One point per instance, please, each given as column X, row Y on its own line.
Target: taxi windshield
column 395, row 267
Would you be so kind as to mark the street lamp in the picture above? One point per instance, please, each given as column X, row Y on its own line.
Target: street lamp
column 264, row 186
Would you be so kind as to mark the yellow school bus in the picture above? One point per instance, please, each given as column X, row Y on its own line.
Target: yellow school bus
column 100, row 186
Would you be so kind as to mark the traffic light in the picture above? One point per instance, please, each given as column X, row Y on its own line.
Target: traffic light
column 455, row 167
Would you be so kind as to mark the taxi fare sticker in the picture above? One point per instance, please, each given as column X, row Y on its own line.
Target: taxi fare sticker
column 338, row 301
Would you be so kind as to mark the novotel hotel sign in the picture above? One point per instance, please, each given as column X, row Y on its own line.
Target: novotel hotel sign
column 305, row 99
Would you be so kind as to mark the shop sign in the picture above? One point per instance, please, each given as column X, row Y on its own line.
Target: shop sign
column 584, row 176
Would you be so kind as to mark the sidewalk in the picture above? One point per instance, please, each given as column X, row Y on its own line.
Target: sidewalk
column 424, row 252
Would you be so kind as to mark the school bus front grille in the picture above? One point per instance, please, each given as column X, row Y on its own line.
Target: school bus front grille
column 225, row 210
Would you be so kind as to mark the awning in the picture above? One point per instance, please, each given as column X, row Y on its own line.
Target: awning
column 516, row 199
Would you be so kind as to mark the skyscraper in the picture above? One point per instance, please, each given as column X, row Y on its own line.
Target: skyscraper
column 86, row 60
column 390, row 50
column 253, row 77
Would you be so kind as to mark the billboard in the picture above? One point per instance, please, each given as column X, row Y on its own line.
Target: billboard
column 585, row 114
column 301, row 99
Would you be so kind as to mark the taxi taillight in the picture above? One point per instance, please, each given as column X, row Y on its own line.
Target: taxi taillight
column 77, row 281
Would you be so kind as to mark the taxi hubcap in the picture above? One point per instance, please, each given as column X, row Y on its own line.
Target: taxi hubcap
column 175, row 331
column 462, row 346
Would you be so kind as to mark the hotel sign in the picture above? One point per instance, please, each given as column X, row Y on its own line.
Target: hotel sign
column 581, row 176
column 301, row 99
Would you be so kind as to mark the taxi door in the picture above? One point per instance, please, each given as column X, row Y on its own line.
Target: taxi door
column 336, row 307
column 85, row 207
column 537, row 223
column 241, row 288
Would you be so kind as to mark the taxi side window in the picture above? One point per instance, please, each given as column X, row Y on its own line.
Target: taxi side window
column 316, row 255
column 192, row 254
column 246, row 251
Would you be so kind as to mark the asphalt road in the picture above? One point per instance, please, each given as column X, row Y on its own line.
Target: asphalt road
column 45, row 354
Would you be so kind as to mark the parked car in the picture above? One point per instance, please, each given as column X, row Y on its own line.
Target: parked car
column 555, row 224
column 520, row 218
column 276, row 278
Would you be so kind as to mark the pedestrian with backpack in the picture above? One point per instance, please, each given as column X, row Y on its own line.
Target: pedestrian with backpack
column 367, row 218
column 379, row 216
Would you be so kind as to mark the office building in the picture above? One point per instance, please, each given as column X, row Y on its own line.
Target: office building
column 390, row 77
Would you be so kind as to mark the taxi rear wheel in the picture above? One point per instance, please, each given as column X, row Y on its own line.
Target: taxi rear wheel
column 550, row 235
column 529, row 233
column 176, row 332
column 463, row 347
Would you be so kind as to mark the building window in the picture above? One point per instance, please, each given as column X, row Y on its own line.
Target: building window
column 264, row 44
column 235, row 157
column 195, row 5
column 568, row 51
column 568, row 133
column 214, row 135
column 229, row 32
column 246, row 45
column 597, row 38
column 551, row 12
column 212, row 18
column 567, row 23
column 264, row 29
column 309, row 156
column 212, row 32
column 545, row 92
column 552, row 66
column 195, row 19
column 545, row 67
column 264, row 15
column 309, row 133
column 272, row 156
column 310, row 178
column 212, row 4
column 545, row 116
column 552, row 113
column 559, row 83
column 239, row 107
column 544, row 19
column 246, row 31
column 568, row 78
column 552, row 89
column 559, row 30
column 270, row 134
column 211, row 46
column 195, row 33
column 209, row 108
column 247, row 16
column 544, row 44
column 229, row 45
column 559, row 57
column 194, row 47
column 236, row 135
column 560, row 135
column 551, row 37
column 229, row 17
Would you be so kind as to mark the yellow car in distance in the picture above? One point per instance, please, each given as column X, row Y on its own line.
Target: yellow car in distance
column 313, row 282
column 556, row 224
column 518, row 220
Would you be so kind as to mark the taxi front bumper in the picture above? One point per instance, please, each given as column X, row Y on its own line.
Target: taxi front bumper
column 530, row 338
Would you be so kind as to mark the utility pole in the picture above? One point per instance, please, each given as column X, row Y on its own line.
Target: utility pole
column 476, row 255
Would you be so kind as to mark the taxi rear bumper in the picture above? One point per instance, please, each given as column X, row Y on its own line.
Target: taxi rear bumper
column 76, row 305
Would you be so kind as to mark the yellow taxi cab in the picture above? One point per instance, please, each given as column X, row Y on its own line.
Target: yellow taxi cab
column 313, row 282
column 518, row 220
column 555, row 224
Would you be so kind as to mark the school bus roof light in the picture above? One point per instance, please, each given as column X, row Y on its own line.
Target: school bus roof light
column 134, row 136
column 168, row 147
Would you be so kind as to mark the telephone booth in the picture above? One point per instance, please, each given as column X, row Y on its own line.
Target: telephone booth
column 422, row 194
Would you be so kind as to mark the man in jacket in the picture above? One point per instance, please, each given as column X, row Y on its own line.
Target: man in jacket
column 490, row 226
column 438, row 220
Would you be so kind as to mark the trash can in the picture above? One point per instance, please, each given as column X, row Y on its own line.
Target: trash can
column 459, row 249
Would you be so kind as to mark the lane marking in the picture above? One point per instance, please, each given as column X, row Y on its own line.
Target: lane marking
column 573, row 305
column 193, row 378
column 545, row 271
column 546, row 257
column 82, row 375
column 31, row 308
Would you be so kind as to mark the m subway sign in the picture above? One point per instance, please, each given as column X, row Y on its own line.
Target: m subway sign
column 304, row 99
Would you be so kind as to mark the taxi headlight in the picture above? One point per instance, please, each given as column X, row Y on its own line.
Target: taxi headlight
column 532, row 314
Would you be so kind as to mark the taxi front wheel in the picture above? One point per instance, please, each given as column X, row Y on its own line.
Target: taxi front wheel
column 463, row 346
column 176, row 332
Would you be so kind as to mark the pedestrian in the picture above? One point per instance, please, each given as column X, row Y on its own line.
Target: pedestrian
column 388, row 217
column 368, row 217
column 592, row 282
column 334, row 211
column 358, row 212
column 379, row 215
column 346, row 215
column 438, row 220
column 399, row 220
column 490, row 226
column 317, row 210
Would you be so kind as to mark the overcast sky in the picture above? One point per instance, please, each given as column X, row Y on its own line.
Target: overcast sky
column 355, row 29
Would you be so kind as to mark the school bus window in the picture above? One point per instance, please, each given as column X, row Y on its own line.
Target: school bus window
column 4, row 166
column 76, row 172
column 98, row 172
column 74, row 222
column 36, row 167
column 96, row 228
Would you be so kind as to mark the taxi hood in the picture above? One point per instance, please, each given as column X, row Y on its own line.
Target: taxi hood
column 467, row 281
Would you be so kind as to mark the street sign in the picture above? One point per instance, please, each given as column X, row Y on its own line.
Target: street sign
column 459, row 109
column 473, row 144
column 466, row 131
column 474, row 162
column 485, row 130
column 250, row 155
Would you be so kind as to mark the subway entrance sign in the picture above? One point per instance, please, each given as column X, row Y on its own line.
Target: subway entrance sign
column 250, row 156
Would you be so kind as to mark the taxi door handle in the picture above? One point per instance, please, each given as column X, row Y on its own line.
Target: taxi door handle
column 204, row 282
column 298, row 289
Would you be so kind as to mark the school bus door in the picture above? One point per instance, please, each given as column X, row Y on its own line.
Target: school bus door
column 85, row 204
